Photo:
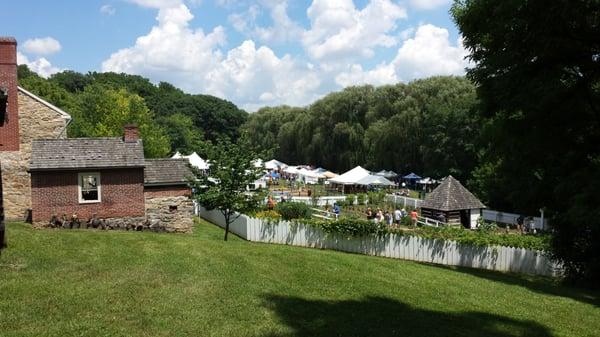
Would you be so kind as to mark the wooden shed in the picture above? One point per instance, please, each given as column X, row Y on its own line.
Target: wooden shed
column 452, row 203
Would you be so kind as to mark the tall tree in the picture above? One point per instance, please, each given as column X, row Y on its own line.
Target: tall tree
column 101, row 112
column 537, row 67
column 232, row 169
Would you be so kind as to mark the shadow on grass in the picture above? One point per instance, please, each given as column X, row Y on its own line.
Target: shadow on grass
column 379, row 316
column 542, row 285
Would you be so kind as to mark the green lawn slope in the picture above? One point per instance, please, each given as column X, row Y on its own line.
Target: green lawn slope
column 117, row 283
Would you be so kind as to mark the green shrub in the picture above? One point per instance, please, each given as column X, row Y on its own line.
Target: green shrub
column 293, row 210
column 354, row 227
column 361, row 198
column 350, row 227
column 350, row 199
column 489, row 227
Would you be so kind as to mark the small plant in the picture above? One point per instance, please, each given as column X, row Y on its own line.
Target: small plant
column 293, row 210
column 487, row 227
column 350, row 199
column 268, row 214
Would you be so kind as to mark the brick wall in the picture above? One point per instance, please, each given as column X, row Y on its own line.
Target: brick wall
column 9, row 130
column 167, row 191
column 122, row 194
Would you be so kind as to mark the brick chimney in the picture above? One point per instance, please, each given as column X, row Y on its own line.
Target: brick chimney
column 131, row 133
column 9, row 113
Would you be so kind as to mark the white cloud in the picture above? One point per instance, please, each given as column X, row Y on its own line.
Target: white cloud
column 340, row 31
column 256, row 76
column 430, row 53
column 193, row 61
column 428, row 4
column 283, row 28
column 108, row 10
column 171, row 51
column 382, row 74
column 42, row 46
column 158, row 4
column 41, row 66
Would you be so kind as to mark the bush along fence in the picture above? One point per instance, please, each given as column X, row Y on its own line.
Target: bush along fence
column 392, row 245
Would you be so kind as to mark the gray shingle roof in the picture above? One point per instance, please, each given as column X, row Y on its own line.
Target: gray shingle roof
column 166, row 172
column 88, row 153
column 451, row 195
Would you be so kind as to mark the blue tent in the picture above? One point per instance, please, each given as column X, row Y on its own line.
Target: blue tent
column 411, row 176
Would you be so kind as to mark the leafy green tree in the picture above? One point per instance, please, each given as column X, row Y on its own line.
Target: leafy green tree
column 70, row 80
column 429, row 126
column 41, row 87
column 231, row 171
column 184, row 136
column 536, row 67
column 101, row 112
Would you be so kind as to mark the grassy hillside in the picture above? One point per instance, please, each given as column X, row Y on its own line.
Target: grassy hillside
column 93, row 283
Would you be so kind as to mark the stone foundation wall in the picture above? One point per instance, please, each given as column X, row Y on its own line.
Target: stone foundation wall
column 171, row 213
column 124, row 223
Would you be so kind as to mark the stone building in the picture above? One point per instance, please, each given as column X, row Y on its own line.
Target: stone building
column 44, row 174
column 167, row 194
column 23, row 117
column 452, row 203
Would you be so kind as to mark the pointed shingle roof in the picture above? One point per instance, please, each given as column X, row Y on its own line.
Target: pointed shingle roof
column 451, row 195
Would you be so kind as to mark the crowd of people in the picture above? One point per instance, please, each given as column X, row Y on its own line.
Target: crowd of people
column 391, row 218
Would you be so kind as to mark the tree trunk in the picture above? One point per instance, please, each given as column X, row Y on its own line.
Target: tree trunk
column 227, row 217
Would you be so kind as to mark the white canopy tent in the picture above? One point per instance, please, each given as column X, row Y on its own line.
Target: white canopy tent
column 375, row 180
column 194, row 159
column 275, row 164
column 310, row 177
column 351, row 177
column 360, row 176
column 291, row 170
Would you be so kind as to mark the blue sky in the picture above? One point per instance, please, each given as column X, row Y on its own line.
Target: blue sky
column 252, row 52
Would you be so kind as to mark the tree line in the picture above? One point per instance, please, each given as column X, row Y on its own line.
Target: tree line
column 169, row 119
column 429, row 126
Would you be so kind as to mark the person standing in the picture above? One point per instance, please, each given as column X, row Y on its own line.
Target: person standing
column 379, row 216
column 520, row 220
column 397, row 216
column 270, row 203
column 336, row 211
column 414, row 216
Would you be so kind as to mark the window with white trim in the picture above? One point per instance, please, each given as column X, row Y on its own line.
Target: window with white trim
column 89, row 187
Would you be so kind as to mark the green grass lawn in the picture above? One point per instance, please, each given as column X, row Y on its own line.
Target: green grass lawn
column 95, row 283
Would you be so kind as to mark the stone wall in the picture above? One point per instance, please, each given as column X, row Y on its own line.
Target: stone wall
column 170, row 213
column 36, row 121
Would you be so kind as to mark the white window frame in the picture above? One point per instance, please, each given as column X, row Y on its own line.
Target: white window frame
column 80, row 183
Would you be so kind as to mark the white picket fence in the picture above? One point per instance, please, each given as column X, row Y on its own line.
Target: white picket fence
column 511, row 218
column 404, row 201
column 321, row 201
column 413, row 248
